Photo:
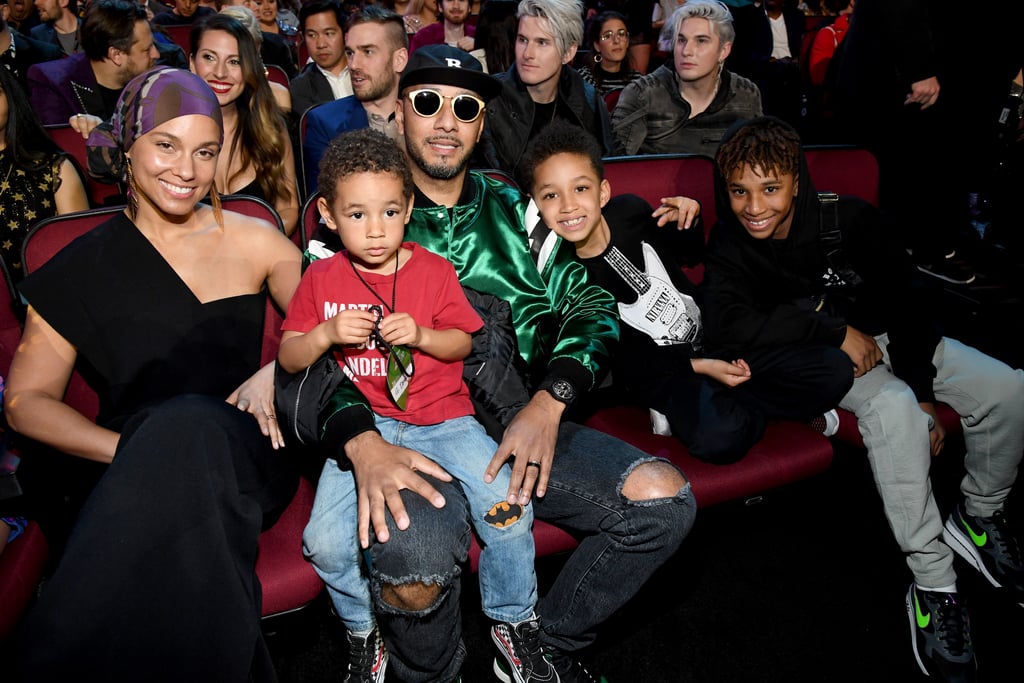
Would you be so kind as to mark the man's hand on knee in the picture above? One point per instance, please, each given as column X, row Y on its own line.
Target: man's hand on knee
column 530, row 441
column 382, row 471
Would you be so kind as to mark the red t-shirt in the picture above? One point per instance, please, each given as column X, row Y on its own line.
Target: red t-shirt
column 428, row 289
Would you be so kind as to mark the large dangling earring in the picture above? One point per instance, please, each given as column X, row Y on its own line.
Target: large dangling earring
column 597, row 58
column 718, row 79
column 218, row 213
column 133, row 195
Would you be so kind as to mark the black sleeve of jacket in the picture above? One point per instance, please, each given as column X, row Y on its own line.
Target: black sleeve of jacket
column 897, row 300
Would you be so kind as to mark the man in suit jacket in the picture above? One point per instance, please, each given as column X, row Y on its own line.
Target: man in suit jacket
column 61, row 24
column 117, row 45
column 772, row 36
column 327, row 77
column 18, row 53
column 378, row 51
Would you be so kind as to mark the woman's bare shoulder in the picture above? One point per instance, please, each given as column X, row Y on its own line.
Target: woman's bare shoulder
column 236, row 221
column 253, row 235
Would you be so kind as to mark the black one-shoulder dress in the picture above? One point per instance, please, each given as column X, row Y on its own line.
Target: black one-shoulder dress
column 157, row 581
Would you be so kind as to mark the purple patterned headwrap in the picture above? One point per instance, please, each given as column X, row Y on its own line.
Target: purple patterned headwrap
column 149, row 100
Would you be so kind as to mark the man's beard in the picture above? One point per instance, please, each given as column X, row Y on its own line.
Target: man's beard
column 437, row 171
column 376, row 91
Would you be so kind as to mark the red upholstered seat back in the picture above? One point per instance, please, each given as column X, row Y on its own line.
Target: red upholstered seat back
column 844, row 170
column 72, row 142
column 667, row 175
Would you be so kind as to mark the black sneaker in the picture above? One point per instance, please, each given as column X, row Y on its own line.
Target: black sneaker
column 989, row 546
column 522, row 657
column 948, row 269
column 570, row 670
column 941, row 634
column 367, row 658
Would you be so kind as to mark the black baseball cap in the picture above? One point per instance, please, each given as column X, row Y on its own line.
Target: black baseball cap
column 447, row 65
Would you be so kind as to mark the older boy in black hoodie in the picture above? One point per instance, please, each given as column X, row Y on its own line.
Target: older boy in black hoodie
column 782, row 271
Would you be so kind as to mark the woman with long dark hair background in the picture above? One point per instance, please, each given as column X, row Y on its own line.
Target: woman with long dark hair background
column 37, row 180
column 257, row 157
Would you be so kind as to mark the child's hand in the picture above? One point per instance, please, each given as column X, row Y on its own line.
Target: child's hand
column 400, row 328
column 730, row 374
column 351, row 326
column 862, row 349
column 682, row 210
column 937, row 433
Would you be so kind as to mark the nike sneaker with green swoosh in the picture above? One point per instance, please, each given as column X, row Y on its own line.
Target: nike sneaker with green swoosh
column 989, row 545
column 941, row 634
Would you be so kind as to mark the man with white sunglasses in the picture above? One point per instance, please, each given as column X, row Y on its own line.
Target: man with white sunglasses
column 631, row 510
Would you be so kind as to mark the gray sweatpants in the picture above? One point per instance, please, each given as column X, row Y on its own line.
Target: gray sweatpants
column 989, row 397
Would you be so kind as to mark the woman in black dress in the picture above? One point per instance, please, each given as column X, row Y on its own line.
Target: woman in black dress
column 161, row 309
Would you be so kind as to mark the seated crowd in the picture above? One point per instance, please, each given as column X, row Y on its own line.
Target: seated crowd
column 544, row 289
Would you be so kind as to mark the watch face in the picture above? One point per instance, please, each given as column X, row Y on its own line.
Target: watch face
column 563, row 390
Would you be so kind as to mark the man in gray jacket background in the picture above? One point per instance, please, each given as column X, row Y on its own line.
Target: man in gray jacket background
column 686, row 106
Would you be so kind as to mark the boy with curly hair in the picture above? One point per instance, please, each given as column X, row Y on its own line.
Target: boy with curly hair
column 397, row 321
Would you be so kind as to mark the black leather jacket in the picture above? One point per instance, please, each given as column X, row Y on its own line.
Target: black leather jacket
column 510, row 117
column 651, row 116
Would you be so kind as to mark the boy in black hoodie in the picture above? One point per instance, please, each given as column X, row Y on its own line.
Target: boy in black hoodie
column 716, row 407
column 782, row 271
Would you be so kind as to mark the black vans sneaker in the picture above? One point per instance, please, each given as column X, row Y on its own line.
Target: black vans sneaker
column 522, row 657
column 571, row 670
column 367, row 658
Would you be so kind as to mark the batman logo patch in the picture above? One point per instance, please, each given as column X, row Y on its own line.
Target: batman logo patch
column 504, row 514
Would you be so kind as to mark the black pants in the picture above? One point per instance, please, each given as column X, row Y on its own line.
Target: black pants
column 720, row 423
column 158, row 580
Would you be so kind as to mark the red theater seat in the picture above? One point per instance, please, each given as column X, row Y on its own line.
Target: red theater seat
column 787, row 453
column 23, row 560
column 287, row 583
column 21, row 567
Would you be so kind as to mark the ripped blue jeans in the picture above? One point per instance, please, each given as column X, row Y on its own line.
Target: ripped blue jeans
column 508, row 584
column 622, row 543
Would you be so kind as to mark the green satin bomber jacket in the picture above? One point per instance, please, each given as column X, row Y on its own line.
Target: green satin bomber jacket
column 564, row 325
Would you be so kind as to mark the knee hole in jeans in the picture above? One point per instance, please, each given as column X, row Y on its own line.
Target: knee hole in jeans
column 413, row 597
column 651, row 480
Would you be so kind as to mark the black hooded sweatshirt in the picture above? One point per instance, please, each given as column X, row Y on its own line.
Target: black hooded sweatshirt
column 760, row 293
